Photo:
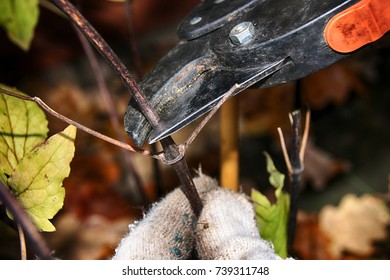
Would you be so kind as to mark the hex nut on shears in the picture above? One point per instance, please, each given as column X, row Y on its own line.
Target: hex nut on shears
column 242, row 33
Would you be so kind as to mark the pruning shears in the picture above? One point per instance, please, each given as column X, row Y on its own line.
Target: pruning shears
column 259, row 43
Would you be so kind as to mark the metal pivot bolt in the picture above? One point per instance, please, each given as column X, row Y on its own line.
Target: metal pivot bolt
column 242, row 33
column 195, row 20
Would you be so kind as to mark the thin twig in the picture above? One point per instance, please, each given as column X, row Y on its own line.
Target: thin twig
column 284, row 149
column 103, row 89
column 233, row 90
column 22, row 241
column 132, row 38
column 305, row 136
column 140, row 73
column 105, row 50
column 103, row 137
column 106, row 96
column 37, row 242
column 171, row 150
column 107, row 100
column 175, row 157
column 201, row 125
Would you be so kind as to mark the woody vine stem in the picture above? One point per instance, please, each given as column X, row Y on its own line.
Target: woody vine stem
column 38, row 244
column 171, row 153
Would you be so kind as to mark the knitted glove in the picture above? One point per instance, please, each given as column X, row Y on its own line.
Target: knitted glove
column 167, row 231
column 226, row 228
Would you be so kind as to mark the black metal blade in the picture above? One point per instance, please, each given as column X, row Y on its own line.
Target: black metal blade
column 200, row 105
column 194, row 75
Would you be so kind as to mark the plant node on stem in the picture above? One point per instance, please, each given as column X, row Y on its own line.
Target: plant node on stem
column 295, row 166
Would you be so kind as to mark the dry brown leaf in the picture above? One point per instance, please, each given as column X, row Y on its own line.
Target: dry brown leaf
column 310, row 243
column 321, row 167
column 332, row 85
column 355, row 224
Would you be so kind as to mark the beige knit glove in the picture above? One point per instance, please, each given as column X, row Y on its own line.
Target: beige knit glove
column 167, row 231
column 226, row 228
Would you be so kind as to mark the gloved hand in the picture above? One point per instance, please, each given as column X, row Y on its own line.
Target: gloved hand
column 226, row 228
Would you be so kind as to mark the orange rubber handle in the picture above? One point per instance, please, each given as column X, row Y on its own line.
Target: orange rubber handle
column 359, row 25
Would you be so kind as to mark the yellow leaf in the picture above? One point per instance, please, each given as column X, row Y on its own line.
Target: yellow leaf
column 37, row 179
column 23, row 126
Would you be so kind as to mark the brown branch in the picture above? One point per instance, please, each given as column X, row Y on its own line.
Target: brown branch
column 140, row 73
column 201, row 125
column 94, row 133
column 103, row 89
column 107, row 53
column 174, row 155
column 38, row 244
column 22, row 241
column 171, row 150
column 108, row 101
column 132, row 38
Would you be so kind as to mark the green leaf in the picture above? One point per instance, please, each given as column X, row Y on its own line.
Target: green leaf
column 37, row 180
column 19, row 18
column 276, row 178
column 272, row 219
column 23, row 126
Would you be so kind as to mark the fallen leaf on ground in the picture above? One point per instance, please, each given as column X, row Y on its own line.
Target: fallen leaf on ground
column 310, row 242
column 321, row 167
column 355, row 224
column 332, row 85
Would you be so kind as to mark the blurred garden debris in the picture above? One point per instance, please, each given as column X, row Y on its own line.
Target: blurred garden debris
column 264, row 109
column 310, row 242
column 49, row 49
column 321, row 167
column 355, row 224
column 333, row 85
column 359, row 228
column 93, row 238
